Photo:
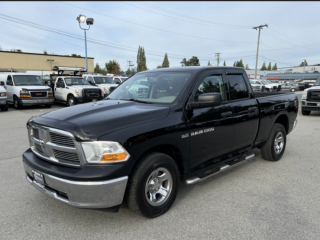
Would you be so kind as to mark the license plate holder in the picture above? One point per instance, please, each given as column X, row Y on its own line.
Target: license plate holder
column 38, row 177
column 40, row 101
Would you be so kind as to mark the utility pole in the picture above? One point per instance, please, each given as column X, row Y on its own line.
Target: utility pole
column 130, row 65
column 218, row 58
column 261, row 26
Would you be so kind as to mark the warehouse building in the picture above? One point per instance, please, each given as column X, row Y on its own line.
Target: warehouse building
column 18, row 61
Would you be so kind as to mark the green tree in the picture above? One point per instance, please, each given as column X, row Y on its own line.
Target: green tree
column 239, row 63
column 224, row 64
column 235, row 63
column 184, row 62
column 263, row 68
column 75, row 55
column 247, row 67
column 165, row 62
column 303, row 64
column 97, row 68
column 141, row 60
column 269, row 67
column 275, row 67
column 45, row 52
column 113, row 67
column 209, row 63
column 194, row 61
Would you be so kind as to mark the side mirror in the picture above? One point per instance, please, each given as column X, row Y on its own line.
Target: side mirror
column 206, row 100
column 46, row 82
column 9, row 82
column 2, row 83
column 118, row 82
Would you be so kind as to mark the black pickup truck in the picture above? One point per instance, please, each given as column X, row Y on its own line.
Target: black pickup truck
column 156, row 129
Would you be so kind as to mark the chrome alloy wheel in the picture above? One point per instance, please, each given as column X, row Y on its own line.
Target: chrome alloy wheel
column 278, row 143
column 158, row 186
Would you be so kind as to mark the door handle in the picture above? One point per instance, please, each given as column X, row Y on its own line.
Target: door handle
column 226, row 114
column 252, row 108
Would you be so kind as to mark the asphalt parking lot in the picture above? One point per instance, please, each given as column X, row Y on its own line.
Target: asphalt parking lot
column 255, row 200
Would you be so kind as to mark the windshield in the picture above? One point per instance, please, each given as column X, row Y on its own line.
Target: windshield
column 264, row 82
column 156, row 87
column 99, row 80
column 76, row 81
column 27, row 80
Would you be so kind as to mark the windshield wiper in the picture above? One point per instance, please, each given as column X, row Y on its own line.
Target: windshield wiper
column 134, row 100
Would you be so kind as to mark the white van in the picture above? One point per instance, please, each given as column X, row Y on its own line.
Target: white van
column 26, row 90
column 105, row 83
column 3, row 98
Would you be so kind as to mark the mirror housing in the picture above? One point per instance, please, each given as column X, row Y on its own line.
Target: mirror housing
column 2, row 83
column 206, row 100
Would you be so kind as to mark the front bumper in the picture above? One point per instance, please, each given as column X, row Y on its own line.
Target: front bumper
column 37, row 101
column 91, row 193
column 3, row 101
column 310, row 106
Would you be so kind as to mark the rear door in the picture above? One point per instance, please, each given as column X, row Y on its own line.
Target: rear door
column 10, row 88
column 211, row 128
column 245, row 111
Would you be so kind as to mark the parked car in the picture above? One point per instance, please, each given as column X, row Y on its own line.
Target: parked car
column 105, row 83
column 119, row 80
column 256, row 87
column 136, row 145
column 310, row 100
column 292, row 87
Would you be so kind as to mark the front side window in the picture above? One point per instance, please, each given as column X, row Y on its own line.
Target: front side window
column 76, row 81
column 237, row 87
column 154, row 87
column 102, row 80
column 27, row 80
column 211, row 84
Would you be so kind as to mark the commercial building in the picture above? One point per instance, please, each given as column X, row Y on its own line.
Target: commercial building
column 18, row 61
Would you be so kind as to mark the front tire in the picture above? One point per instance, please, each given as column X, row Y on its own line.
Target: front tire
column 71, row 101
column 274, row 148
column 292, row 90
column 153, row 186
column 16, row 103
column 5, row 107
column 305, row 113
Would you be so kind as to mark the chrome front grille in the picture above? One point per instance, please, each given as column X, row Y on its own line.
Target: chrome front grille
column 314, row 96
column 55, row 145
column 61, row 139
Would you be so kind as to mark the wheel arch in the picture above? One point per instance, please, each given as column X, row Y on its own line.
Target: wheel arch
column 169, row 150
column 283, row 120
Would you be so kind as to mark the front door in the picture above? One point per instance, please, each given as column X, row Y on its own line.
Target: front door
column 59, row 89
column 211, row 128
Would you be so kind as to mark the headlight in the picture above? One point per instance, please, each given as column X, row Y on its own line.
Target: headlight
column 304, row 95
column 104, row 152
column 77, row 92
column 24, row 94
column 3, row 94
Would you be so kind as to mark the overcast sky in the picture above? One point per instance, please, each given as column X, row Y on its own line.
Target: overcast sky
column 180, row 29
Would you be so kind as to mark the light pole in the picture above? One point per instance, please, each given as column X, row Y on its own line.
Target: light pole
column 261, row 26
column 304, row 64
column 81, row 19
column 50, row 60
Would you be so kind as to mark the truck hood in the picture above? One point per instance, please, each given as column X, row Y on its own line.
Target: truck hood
column 90, row 121
column 34, row 88
column 80, row 87
column 107, row 85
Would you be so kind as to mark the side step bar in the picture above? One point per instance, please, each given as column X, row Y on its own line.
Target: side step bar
column 225, row 167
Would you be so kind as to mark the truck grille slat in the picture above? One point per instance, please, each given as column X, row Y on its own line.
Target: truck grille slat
column 49, row 144
column 38, row 94
column 61, row 140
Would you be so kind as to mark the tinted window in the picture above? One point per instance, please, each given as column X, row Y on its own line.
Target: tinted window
column 211, row 84
column 237, row 87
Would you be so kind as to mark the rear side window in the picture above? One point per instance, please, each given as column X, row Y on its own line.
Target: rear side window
column 237, row 87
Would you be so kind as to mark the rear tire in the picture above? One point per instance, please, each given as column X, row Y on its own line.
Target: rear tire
column 274, row 148
column 5, row 107
column 304, row 112
column 292, row 90
column 153, row 185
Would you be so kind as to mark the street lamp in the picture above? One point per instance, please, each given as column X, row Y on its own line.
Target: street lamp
column 304, row 64
column 50, row 60
column 81, row 19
